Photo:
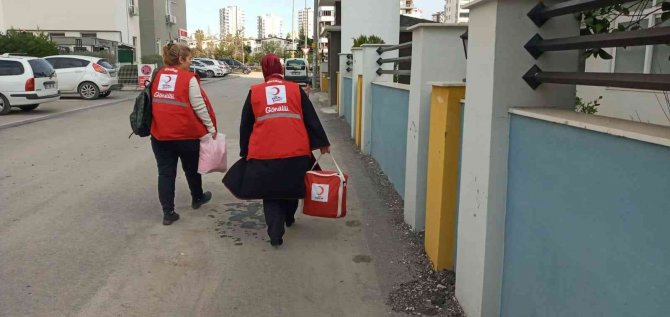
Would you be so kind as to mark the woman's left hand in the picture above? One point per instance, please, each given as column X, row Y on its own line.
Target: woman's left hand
column 325, row 150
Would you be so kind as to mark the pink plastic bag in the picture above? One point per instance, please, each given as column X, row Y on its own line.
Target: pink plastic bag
column 213, row 155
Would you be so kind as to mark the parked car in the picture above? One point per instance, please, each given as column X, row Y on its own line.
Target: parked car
column 26, row 82
column 89, row 77
column 201, row 71
column 213, row 66
column 236, row 66
column 297, row 70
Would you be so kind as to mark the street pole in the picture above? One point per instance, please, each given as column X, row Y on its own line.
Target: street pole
column 317, row 32
column 293, row 31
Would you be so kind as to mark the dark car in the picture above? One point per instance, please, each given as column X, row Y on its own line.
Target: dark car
column 236, row 66
column 198, row 69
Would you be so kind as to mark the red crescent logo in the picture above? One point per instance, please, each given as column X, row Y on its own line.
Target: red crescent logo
column 321, row 190
column 276, row 91
column 169, row 80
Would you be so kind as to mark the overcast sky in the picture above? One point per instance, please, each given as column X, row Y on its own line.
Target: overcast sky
column 202, row 14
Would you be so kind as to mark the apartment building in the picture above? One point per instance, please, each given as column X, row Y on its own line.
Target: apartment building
column 231, row 21
column 73, row 27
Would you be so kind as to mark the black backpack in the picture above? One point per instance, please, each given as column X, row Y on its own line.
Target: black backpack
column 140, row 118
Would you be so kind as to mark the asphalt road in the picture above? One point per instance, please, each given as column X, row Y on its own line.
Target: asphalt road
column 81, row 232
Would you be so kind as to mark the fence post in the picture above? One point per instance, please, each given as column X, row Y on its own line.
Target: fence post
column 442, row 183
column 357, row 71
column 437, row 55
column 497, row 60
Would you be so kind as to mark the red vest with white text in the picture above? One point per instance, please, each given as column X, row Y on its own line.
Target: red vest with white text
column 279, row 130
column 173, row 115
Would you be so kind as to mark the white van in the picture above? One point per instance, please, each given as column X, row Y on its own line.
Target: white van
column 26, row 82
column 297, row 70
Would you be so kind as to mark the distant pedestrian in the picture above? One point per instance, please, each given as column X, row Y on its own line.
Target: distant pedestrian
column 182, row 114
column 278, row 131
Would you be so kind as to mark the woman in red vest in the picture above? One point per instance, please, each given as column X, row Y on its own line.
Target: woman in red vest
column 278, row 132
column 182, row 114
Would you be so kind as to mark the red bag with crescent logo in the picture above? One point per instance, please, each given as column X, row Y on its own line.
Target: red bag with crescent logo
column 326, row 193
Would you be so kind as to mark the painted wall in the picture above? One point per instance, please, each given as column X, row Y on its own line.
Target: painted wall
column 637, row 105
column 73, row 15
column 3, row 28
column 437, row 56
column 347, row 94
column 587, row 224
column 154, row 27
column 498, row 31
column 389, row 132
column 370, row 17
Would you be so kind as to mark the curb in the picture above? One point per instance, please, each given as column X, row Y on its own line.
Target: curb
column 55, row 115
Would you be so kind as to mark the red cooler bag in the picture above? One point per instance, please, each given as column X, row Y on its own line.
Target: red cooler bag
column 326, row 193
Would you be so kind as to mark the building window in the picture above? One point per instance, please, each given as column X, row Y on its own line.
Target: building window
column 134, row 41
column 56, row 34
column 89, row 35
column 650, row 59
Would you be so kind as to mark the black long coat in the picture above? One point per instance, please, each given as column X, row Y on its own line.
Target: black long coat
column 276, row 178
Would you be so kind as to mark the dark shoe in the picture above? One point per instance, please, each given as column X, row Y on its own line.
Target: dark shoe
column 169, row 218
column 276, row 243
column 290, row 222
column 206, row 197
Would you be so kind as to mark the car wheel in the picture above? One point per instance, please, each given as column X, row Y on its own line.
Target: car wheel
column 5, row 107
column 89, row 90
column 28, row 108
column 105, row 94
column 210, row 73
column 247, row 72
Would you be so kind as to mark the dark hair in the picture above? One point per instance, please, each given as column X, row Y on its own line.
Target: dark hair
column 173, row 52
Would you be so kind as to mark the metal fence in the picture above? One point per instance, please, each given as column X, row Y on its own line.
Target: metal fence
column 403, row 59
column 538, row 45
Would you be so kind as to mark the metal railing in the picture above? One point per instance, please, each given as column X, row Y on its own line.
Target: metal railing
column 537, row 46
column 395, row 60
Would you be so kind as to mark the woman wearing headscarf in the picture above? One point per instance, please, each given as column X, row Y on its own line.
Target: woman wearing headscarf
column 278, row 132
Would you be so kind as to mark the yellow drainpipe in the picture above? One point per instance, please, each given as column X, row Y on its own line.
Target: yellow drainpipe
column 442, row 182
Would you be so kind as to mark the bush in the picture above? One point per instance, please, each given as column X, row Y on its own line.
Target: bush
column 590, row 107
column 153, row 59
column 27, row 43
column 372, row 39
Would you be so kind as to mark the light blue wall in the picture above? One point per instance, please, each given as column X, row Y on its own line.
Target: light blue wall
column 587, row 229
column 346, row 98
column 389, row 132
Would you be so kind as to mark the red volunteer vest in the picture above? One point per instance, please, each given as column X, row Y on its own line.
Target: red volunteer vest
column 173, row 115
column 279, row 130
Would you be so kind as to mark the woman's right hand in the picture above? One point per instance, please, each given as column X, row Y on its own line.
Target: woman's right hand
column 214, row 135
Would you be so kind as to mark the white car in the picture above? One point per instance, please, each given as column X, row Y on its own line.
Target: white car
column 89, row 77
column 25, row 83
column 213, row 65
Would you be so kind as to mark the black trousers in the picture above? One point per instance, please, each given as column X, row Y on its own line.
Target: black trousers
column 277, row 212
column 167, row 154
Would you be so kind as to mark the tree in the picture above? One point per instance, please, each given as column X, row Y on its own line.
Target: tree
column 271, row 47
column 198, row 51
column 603, row 20
column 27, row 43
